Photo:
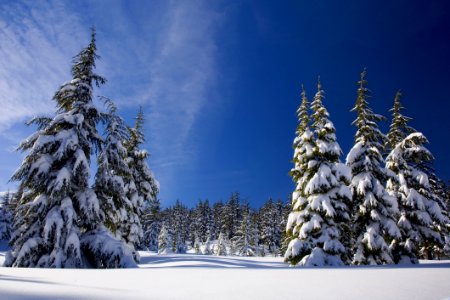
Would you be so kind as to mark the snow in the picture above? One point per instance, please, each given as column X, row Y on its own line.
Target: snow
column 208, row 277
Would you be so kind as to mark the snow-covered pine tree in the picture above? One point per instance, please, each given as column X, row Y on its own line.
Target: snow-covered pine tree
column 151, row 224
column 113, row 174
column 207, row 248
column 422, row 221
column 203, row 220
column 218, row 220
column 58, row 221
column 270, row 221
column 144, row 188
column 303, row 152
column 222, row 244
column 322, row 198
column 165, row 243
column 375, row 210
column 179, row 227
column 231, row 215
column 6, row 216
column 245, row 240
column 399, row 128
column 196, row 245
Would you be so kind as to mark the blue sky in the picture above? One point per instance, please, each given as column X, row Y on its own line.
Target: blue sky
column 219, row 81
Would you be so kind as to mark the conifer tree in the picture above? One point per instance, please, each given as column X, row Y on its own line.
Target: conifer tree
column 321, row 202
column 59, row 219
column 165, row 243
column 152, row 224
column 113, row 174
column 207, row 249
column 375, row 210
column 422, row 221
column 6, row 216
column 143, row 188
column 222, row 245
column 245, row 241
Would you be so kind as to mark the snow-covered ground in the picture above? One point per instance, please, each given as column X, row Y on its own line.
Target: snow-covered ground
column 210, row 277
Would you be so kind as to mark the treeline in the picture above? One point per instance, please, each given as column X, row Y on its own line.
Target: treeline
column 230, row 228
column 384, row 205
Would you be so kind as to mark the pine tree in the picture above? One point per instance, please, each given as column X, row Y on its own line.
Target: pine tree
column 270, row 226
column 399, row 128
column 165, row 243
column 375, row 210
column 180, row 227
column 143, row 188
column 59, row 221
column 112, row 177
column 6, row 216
column 231, row 215
column 222, row 245
column 152, row 224
column 245, row 241
column 321, row 199
column 422, row 221
column 207, row 249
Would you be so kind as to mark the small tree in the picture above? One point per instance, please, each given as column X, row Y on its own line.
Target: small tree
column 6, row 216
column 164, row 241
column 245, row 241
column 222, row 245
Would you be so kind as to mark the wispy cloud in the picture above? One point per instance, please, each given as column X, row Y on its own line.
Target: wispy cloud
column 181, row 73
column 35, row 45
column 173, row 75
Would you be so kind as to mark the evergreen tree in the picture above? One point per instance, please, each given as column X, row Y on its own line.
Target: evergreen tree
column 218, row 220
column 207, row 249
column 152, row 224
column 375, row 210
column 231, row 215
column 165, row 243
column 270, row 216
column 112, row 177
column 179, row 227
column 143, row 188
column 422, row 221
column 6, row 215
column 245, row 241
column 321, row 199
column 222, row 245
column 58, row 221
column 399, row 128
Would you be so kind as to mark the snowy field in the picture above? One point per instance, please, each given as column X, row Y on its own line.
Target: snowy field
column 210, row 277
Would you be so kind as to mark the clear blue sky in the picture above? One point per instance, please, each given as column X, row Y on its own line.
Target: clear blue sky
column 220, row 80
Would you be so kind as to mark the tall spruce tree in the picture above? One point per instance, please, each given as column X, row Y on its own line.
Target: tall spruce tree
column 375, row 210
column 303, row 153
column 143, row 189
column 59, row 219
column 422, row 221
column 321, row 203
